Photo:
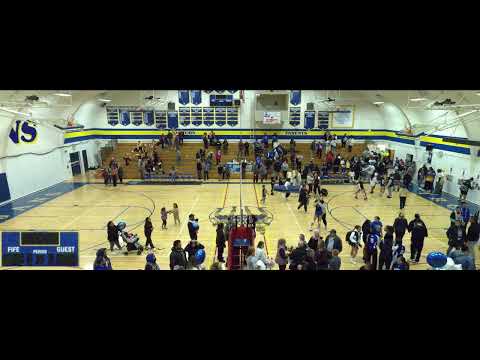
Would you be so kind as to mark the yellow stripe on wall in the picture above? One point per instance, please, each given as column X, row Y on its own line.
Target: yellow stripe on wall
column 260, row 132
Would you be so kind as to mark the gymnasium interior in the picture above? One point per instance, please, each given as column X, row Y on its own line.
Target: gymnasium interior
column 57, row 193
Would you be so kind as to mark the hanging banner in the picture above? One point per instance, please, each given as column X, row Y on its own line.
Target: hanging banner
column 196, row 96
column 161, row 119
column 172, row 119
column 148, row 118
column 137, row 118
column 323, row 119
column 232, row 117
column 183, row 97
column 295, row 113
column 309, row 119
column 113, row 116
column 125, row 117
column 196, row 116
column 184, row 115
column 295, row 97
column 209, row 115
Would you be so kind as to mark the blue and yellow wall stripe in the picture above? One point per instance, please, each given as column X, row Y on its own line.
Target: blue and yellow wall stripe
column 360, row 134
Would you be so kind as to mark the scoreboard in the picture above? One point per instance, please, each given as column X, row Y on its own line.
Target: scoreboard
column 45, row 248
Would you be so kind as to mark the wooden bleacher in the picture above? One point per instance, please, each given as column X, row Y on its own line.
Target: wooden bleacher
column 187, row 165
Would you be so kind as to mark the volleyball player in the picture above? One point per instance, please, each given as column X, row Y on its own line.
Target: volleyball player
column 360, row 189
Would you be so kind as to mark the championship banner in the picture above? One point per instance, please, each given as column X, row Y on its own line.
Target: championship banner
column 210, row 114
column 113, row 116
column 323, row 119
column 124, row 117
column 309, row 119
column 295, row 97
column 197, row 117
column 137, row 118
column 184, row 115
column 232, row 116
column 295, row 116
column 272, row 117
column 148, row 118
column 172, row 119
column 183, row 97
column 196, row 96
column 161, row 119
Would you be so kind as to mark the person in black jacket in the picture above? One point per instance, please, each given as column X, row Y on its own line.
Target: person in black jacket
column 298, row 255
column 365, row 232
column 456, row 236
column 220, row 241
column 314, row 240
column 148, row 229
column 178, row 260
column 473, row 236
column 192, row 227
column 386, row 251
column 191, row 249
column 112, row 233
column 400, row 226
column 419, row 232
column 303, row 198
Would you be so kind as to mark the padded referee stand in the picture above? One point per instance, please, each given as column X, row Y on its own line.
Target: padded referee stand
column 239, row 240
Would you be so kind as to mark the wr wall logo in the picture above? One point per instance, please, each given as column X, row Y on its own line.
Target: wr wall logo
column 23, row 131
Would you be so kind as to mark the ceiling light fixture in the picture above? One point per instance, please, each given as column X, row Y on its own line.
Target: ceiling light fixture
column 63, row 94
column 379, row 102
column 418, row 99
column 104, row 100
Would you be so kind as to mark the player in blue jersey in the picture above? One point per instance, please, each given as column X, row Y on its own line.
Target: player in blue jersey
column 376, row 227
column 371, row 253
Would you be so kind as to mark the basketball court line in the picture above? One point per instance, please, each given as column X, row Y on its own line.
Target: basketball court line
column 301, row 231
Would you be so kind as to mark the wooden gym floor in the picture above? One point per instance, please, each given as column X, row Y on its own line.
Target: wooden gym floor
column 89, row 208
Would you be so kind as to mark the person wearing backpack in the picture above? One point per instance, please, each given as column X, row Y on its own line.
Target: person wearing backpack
column 353, row 239
column 386, row 249
column 419, row 232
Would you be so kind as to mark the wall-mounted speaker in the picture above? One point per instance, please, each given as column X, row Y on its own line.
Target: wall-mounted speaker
column 310, row 106
column 171, row 106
